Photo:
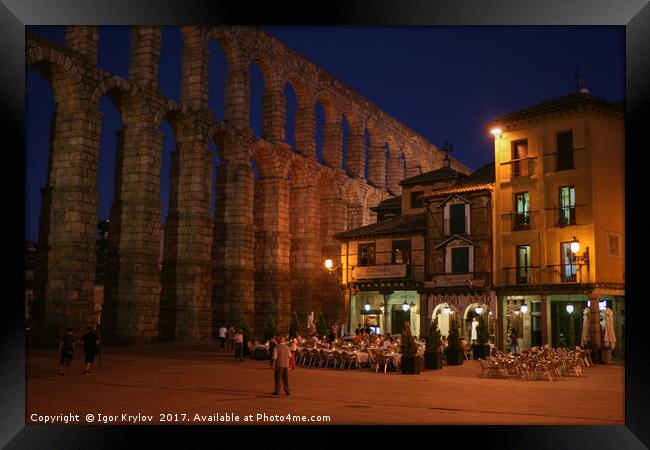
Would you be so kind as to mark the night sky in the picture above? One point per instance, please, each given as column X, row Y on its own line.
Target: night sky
column 445, row 83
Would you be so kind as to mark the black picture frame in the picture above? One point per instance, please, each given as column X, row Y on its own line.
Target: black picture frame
column 633, row 14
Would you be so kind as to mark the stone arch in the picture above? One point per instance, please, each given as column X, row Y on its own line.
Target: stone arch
column 126, row 96
column 180, row 110
column 63, row 74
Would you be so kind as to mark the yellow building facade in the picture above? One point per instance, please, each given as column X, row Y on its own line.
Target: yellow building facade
column 560, row 180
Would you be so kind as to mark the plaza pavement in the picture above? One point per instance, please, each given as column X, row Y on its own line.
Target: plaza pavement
column 191, row 379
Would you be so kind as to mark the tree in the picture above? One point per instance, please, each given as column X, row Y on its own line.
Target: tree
column 270, row 328
column 482, row 333
column 433, row 349
column 409, row 348
column 454, row 336
column 293, row 325
column 434, row 340
column 321, row 325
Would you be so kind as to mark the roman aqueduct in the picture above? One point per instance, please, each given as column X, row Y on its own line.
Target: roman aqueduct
column 262, row 250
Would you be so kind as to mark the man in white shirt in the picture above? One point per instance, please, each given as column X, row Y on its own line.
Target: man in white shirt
column 223, row 331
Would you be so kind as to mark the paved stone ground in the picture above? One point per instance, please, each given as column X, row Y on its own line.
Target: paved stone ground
column 195, row 379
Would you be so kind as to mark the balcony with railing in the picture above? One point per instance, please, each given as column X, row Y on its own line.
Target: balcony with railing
column 520, row 276
column 518, row 221
column 564, row 273
column 565, row 160
column 522, row 167
column 567, row 215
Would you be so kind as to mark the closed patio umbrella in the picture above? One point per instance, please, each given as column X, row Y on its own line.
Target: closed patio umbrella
column 610, row 337
column 585, row 327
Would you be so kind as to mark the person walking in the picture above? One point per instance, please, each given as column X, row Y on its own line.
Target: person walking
column 223, row 331
column 281, row 361
column 89, row 340
column 239, row 345
column 66, row 351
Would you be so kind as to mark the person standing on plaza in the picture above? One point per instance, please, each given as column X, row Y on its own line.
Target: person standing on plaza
column 223, row 331
column 66, row 351
column 272, row 344
column 293, row 345
column 281, row 362
column 239, row 345
column 90, row 349
column 513, row 341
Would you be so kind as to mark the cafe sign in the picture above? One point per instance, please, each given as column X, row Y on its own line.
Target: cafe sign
column 464, row 279
column 374, row 272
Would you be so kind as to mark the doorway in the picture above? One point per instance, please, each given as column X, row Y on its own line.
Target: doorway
column 399, row 317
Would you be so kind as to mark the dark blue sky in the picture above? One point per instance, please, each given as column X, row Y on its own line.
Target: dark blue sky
column 446, row 83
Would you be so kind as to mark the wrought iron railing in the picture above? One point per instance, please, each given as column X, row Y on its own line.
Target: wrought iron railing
column 525, row 220
column 520, row 275
column 567, row 215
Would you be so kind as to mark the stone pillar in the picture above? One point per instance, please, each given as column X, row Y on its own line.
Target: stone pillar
column 234, row 237
column 237, row 97
column 546, row 321
column 333, row 220
column 272, row 247
column 306, row 264
column 132, row 290
column 377, row 162
column 186, row 298
column 145, row 57
column 65, row 262
column 305, row 126
column 356, row 163
column 500, row 323
column 333, row 142
column 195, row 68
column 395, row 173
column 84, row 40
column 273, row 115
column 594, row 326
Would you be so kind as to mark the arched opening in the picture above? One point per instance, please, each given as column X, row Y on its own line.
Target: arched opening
column 444, row 312
column 114, row 50
column 320, row 127
column 38, row 128
column 290, row 115
column 171, row 62
column 217, row 79
column 345, row 130
column 256, row 99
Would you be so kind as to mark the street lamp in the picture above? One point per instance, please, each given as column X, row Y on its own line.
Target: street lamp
column 524, row 308
column 405, row 306
column 366, row 306
column 496, row 131
column 569, row 308
column 575, row 248
column 479, row 310
column 446, row 310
